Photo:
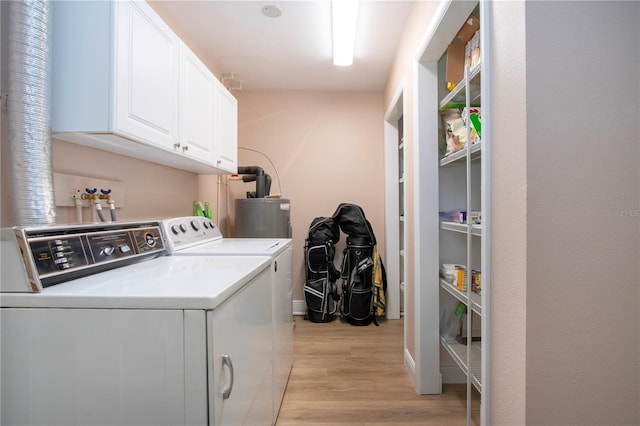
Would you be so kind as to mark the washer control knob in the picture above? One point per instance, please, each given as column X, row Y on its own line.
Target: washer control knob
column 195, row 226
column 174, row 229
column 183, row 228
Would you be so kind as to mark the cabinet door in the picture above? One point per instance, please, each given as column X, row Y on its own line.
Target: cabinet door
column 92, row 367
column 146, row 76
column 227, row 142
column 197, row 107
column 241, row 332
column 281, row 270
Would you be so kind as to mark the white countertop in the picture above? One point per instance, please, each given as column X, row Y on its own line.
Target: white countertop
column 169, row 282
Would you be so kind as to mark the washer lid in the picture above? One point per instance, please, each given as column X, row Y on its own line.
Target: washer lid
column 239, row 246
column 170, row 282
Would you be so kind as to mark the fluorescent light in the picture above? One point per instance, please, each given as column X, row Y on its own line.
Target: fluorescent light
column 345, row 21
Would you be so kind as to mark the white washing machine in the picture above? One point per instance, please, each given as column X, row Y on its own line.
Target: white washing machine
column 163, row 340
column 199, row 236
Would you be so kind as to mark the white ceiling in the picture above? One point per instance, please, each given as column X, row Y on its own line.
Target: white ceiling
column 293, row 51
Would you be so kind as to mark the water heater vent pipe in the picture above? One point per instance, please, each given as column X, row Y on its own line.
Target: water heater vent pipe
column 255, row 173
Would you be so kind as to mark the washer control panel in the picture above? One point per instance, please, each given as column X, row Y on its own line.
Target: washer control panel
column 56, row 254
column 188, row 231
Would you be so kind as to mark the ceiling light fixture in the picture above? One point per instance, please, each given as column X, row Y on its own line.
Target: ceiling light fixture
column 345, row 22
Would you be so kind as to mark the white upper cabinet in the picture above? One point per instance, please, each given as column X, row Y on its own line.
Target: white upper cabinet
column 227, row 152
column 122, row 81
column 197, row 107
column 146, row 76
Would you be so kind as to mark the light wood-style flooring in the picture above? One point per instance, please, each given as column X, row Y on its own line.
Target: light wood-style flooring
column 347, row 375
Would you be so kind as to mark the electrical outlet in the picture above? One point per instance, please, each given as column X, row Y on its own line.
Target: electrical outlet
column 66, row 187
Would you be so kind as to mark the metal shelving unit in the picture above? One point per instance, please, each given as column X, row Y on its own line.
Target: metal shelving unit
column 459, row 94
column 463, row 228
column 457, row 167
column 460, row 157
column 459, row 188
column 455, row 182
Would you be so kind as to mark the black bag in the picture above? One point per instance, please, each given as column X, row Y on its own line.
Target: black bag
column 362, row 297
column 320, row 290
column 364, row 281
column 357, row 284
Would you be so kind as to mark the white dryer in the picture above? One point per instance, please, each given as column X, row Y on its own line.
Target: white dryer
column 163, row 340
column 199, row 236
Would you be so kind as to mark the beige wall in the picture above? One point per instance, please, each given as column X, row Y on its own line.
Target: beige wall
column 327, row 148
column 401, row 72
column 508, row 216
column 152, row 191
column 583, row 213
column 565, row 196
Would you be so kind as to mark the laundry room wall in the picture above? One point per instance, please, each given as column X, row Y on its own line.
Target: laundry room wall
column 151, row 191
column 326, row 147
column 402, row 75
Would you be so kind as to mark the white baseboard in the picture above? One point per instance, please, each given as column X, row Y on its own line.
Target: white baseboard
column 410, row 366
column 299, row 307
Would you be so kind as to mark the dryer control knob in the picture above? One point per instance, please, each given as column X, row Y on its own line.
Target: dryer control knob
column 149, row 239
column 195, row 225
column 108, row 250
column 183, row 227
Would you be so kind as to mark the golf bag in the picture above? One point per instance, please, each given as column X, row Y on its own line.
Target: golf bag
column 320, row 290
column 363, row 277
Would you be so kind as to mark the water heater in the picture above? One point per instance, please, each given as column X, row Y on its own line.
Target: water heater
column 263, row 218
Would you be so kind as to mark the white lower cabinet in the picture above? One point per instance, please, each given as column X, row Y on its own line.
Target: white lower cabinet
column 124, row 82
column 240, row 352
column 87, row 367
column 124, row 367
column 282, row 294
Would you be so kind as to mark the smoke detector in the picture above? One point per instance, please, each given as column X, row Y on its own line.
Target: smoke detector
column 271, row 11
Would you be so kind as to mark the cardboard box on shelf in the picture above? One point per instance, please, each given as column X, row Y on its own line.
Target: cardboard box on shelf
column 456, row 55
column 468, row 29
column 455, row 64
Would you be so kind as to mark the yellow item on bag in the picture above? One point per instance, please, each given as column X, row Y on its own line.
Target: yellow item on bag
column 379, row 285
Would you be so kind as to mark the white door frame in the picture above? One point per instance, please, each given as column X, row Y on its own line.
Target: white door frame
column 392, row 211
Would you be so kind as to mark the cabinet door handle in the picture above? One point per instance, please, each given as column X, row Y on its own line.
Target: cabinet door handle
column 226, row 360
column 185, row 148
column 176, row 145
column 275, row 266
